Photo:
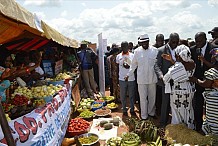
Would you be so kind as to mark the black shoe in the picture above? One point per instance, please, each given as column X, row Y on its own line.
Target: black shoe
column 125, row 114
column 153, row 117
column 133, row 113
column 144, row 119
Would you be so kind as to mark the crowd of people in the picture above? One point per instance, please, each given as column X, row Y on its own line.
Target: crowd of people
column 174, row 75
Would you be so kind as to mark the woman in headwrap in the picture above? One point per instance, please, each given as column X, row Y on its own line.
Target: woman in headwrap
column 177, row 84
column 210, row 125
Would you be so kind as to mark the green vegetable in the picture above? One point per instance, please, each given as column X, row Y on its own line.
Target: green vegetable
column 102, row 123
column 115, row 121
column 114, row 141
column 108, row 126
column 87, row 140
column 86, row 114
column 130, row 139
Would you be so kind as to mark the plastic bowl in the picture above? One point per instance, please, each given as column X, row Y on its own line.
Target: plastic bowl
column 107, row 112
column 61, row 82
column 76, row 133
column 95, row 108
column 88, row 135
column 101, row 101
column 48, row 98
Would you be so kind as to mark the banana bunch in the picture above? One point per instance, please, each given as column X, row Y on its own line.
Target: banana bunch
column 130, row 139
column 148, row 133
column 158, row 142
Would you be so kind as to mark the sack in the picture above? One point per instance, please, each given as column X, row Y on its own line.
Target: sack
column 20, row 82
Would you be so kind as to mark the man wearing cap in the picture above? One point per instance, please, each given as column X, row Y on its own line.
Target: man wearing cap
column 161, row 68
column 144, row 59
column 214, row 34
column 124, row 60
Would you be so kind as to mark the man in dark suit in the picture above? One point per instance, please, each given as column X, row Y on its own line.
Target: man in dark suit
column 201, row 56
column 161, row 67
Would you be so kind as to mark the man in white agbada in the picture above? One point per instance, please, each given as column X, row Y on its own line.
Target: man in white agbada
column 144, row 60
column 181, row 90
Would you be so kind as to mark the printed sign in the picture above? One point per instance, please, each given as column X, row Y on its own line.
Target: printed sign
column 45, row 126
column 47, row 66
column 58, row 66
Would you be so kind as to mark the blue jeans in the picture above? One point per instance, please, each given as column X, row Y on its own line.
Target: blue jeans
column 130, row 87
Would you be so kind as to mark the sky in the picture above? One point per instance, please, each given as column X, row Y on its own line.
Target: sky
column 125, row 20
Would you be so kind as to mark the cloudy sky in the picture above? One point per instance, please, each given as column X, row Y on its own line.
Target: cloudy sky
column 125, row 20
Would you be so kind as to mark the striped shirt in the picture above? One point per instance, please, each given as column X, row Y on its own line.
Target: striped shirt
column 211, row 99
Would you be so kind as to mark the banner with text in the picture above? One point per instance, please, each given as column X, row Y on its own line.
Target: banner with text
column 45, row 126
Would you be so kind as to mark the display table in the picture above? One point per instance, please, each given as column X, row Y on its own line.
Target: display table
column 43, row 126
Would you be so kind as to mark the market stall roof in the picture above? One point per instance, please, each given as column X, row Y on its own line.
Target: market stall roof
column 14, row 20
column 54, row 35
column 26, row 44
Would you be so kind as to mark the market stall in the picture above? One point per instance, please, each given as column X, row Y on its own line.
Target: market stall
column 44, row 125
column 22, row 32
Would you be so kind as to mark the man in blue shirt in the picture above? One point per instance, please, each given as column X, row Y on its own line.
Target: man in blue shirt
column 87, row 56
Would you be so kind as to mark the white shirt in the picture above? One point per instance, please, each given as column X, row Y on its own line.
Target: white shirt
column 122, row 70
column 172, row 52
column 38, row 70
column 203, row 49
column 144, row 60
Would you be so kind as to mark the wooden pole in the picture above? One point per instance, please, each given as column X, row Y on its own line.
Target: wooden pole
column 5, row 127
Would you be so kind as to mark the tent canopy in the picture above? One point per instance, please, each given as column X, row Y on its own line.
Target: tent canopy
column 15, row 21
column 54, row 35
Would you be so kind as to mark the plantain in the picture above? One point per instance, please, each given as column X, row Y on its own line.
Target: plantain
column 148, row 134
column 152, row 134
column 143, row 134
column 158, row 141
column 151, row 144
column 130, row 142
column 155, row 135
column 142, row 126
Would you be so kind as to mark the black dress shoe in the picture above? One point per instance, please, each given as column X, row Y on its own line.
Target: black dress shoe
column 153, row 117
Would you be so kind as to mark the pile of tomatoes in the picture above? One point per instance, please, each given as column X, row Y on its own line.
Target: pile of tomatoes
column 20, row 100
column 7, row 106
column 78, row 125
